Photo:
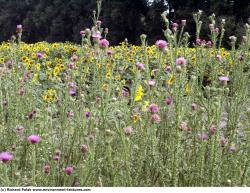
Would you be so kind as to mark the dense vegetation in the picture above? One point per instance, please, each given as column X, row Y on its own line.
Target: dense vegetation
column 61, row 20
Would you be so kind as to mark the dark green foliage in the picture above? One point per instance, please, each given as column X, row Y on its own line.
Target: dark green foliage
column 61, row 20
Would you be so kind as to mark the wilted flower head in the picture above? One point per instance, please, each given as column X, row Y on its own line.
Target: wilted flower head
column 232, row 148
column 84, row 148
column 161, row 44
column 47, row 169
column 183, row 22
column 19, row 129
column 6, row 156
column 184, row 127
column 34, row 139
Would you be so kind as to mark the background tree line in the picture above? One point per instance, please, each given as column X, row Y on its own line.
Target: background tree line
column 61, row 20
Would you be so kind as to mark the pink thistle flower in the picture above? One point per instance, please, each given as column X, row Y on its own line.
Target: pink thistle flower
column 184, row 127
column 155, row 118
column 168, row 69
column 72, row 92
column 74, row 58
column 106, row 30
column 19, row 27
column 87, row 114
column 140, row 66
column 56, row 157
column 104, row 43
column 70, row 114
column 174, row 26
column 82, row 33
column 223, row 141
column 39, row 55
column 161, row 44
column 125, row 93
column 21, row 91
column 110, row 52
column 223, row 80
column 218, row 57
column 128, row 130
column 212, row 130
column 151, row 82
column 194, row 106
column 96, row 35
column 34, row 139
column 68, row 170
column 153, row 108
column 203, row 137
column 181, row 61
column 19, row 129
column 6, row 157
column 99, row 23
column 71, row 65
column 169, row 101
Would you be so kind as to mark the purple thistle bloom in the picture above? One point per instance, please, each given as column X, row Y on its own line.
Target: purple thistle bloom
column 87, row 114
column 161, row 44
column 153, row 108
column 204, row 137
column 169, row 101
column 56, row 157
column 223, row 80
column 104, row 43
column 34, row 139
column 72, row 92
column 39, row 55
column 6, row 156
column 68, row 170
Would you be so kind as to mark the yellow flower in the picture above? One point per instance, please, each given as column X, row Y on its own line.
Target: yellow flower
column 56, row 71
column 187, row 89
column 105, row 87
column 117, row 77
column 145, row 106
column 38, row 66
column 139, row 94
column 35, row 78
column 171, row 80
column 136, row 117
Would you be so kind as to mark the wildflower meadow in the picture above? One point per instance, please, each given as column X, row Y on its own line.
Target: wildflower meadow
column 176, row 113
